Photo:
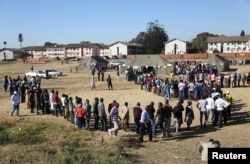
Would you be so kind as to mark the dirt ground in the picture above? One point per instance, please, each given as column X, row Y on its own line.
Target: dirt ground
column 177, row 149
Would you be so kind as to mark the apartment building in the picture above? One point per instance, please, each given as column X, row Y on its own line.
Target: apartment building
column 228, row 44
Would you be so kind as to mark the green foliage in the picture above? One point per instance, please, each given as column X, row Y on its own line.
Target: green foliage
column 199, row 44
column 50, row 44
column 140, row 38
column 153, row 38
column 23, row 55
column 242, row 33
column 36, row 142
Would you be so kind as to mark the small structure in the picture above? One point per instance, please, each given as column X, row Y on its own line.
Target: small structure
column 221, row 63
column 154, row 63
column 175, row 46
column 91, row 62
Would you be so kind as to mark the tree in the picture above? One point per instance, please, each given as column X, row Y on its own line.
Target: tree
column 4, row 42
column 49, row 44
column 140, row 38
column 23, row 55
column 242, row 33
column 20, row 39
column 153, row 38
column 199, row 44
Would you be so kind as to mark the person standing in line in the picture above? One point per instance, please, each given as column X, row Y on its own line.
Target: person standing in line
column 56, row 102
column 95, row 112
column 210, row 107
column 5, row 83
column 244, row 79
column 221, row 106
column 137, row 115
column 118, row 72
column 66, row 109
column 15, row 101
column 177, row 111
column 32, row 100
column 160, row 117
column 46, row 101
column 201, row 105
column 52, row 107
column 145, row 125
column 80, row 116
column 110, row 106
column 168, row 116
column 114, row 117
column 102, row 73
column 189, row 116
column 62, row 104
column 87, row 113
column 151, row 112
column 124, row 115
column 92, row 83
column 238, row 77
column 102, row 115
column 71, row 110
column 42, row 101
column 109, row 82
column 229, row 99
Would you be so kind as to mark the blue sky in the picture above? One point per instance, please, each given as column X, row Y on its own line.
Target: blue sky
column 109, row 21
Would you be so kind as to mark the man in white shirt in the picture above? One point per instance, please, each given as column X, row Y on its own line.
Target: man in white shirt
column 210, row 107
column 220, row 105
column 181, row 87
column 15, row 100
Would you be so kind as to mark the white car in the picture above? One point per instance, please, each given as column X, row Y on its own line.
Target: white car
column 53, row 72
column 35, row 73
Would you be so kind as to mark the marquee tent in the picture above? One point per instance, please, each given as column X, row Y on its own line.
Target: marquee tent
column 160, row 65
column 90, row 62
column 221, row 63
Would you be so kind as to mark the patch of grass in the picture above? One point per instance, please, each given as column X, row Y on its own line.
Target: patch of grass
column 36, row 142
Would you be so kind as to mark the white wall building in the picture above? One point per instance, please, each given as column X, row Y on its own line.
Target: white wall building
column 125, row 48
column 79, row 50
column 175, row 46
column 104, row 50
column 36, row 51
column 6, row 54
column 228, row 44
column 56, row 51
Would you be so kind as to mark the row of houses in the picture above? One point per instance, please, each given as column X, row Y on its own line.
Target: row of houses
column 222, row 44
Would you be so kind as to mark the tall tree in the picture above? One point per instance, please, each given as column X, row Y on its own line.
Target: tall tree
column 4, row 42
column 242, row 33
column 153, row 38
column 140, row 38
column 20, row 39
column 199, row 44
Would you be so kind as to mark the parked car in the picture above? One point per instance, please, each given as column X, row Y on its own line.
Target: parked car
column 36, row 73
column 53, row 72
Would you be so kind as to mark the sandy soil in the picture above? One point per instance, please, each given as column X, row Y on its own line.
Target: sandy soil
column 178, row 149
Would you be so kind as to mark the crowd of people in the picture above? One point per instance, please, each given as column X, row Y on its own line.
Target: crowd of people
column 203, row 87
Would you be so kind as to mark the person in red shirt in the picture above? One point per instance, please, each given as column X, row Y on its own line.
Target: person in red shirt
column 80, row 121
